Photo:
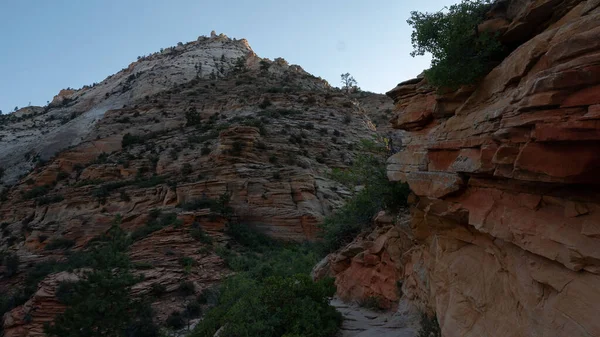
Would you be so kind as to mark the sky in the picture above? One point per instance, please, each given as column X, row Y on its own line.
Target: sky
column 48, row 45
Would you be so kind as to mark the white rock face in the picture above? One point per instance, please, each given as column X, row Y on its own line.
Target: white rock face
column 40, row 132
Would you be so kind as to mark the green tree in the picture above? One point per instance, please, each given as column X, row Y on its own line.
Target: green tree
column 271, row 294
column 264, row 65
column 240, row 64
column 461, row 54
column 378, row 193
column 192, row 117
column 100, row 304
column 348, row 82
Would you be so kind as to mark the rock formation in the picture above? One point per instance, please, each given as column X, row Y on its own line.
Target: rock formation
column 370, row 269
column 506, row 209
column 175, row 131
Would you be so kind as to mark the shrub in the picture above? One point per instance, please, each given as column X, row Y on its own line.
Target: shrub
column 236, row 148
column 150, row 182
column 124, row 196
column 50, row 199
column 186, row 169
column 311, row 100
column 186, row 288
column 265, row 103
column 37, row 191
column 207, row 296
column 460, row 54
column 60, row 243
column 246, row 236
column 271, row 294
column 257, row 124
column 62, row 175
column 158, row 289
column 219, row 205
column 429, row 327
column 187, row 261
column 347, row 119
column 99, row 304
column 11, row 264
column 102, row 158
column 156, row 222
column 264, row 65
column 199, row 235
column 65, row 291
column 175, row 320
column 192, row 117
column 378, row 193
column 193, row 309
column 129, row 139
column 261, row 146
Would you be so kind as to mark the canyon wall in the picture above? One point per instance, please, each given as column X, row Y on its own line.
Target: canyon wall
column 175, row 132
column 505, row 175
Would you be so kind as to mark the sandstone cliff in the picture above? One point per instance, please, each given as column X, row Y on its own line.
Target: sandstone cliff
column 506, row 210
column 175, row 131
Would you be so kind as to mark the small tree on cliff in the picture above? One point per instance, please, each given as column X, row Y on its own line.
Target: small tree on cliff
column 348, row 82
column 461, row 54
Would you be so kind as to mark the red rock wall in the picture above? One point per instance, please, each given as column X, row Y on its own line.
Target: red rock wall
column 506, row 176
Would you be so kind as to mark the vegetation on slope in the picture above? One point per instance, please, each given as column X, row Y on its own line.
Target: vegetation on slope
column 375, row 193
column 272, row 294
column 100, row 304
column 460, row 54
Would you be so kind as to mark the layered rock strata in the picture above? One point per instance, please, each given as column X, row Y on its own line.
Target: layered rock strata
column 506, row 209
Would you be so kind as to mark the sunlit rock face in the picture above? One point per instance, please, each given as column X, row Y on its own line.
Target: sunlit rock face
column 505, row 174
column 70, row 117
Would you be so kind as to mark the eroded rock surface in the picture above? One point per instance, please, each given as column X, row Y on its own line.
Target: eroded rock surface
column 369, row 270
column 175, row 131
column 506, row 180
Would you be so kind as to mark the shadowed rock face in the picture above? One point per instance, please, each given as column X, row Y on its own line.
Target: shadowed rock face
column 506, row 180
column 266, row 133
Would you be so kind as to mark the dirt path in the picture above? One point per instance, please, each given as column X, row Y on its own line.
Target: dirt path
column 362, row 322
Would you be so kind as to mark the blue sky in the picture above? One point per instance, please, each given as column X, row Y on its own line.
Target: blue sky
column 47, row 45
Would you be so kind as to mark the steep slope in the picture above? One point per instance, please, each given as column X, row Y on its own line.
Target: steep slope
column 70, row 117
column 506, row 207
column 205, row 132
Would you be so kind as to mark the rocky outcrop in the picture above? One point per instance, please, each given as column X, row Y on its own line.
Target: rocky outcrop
column 205, row 130
column 70, row 118
column 506, row 209
column 370, row 269
column 29, row 318
column 157, row 258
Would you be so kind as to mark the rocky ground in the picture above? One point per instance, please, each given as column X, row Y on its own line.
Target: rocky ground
column 363, row 322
